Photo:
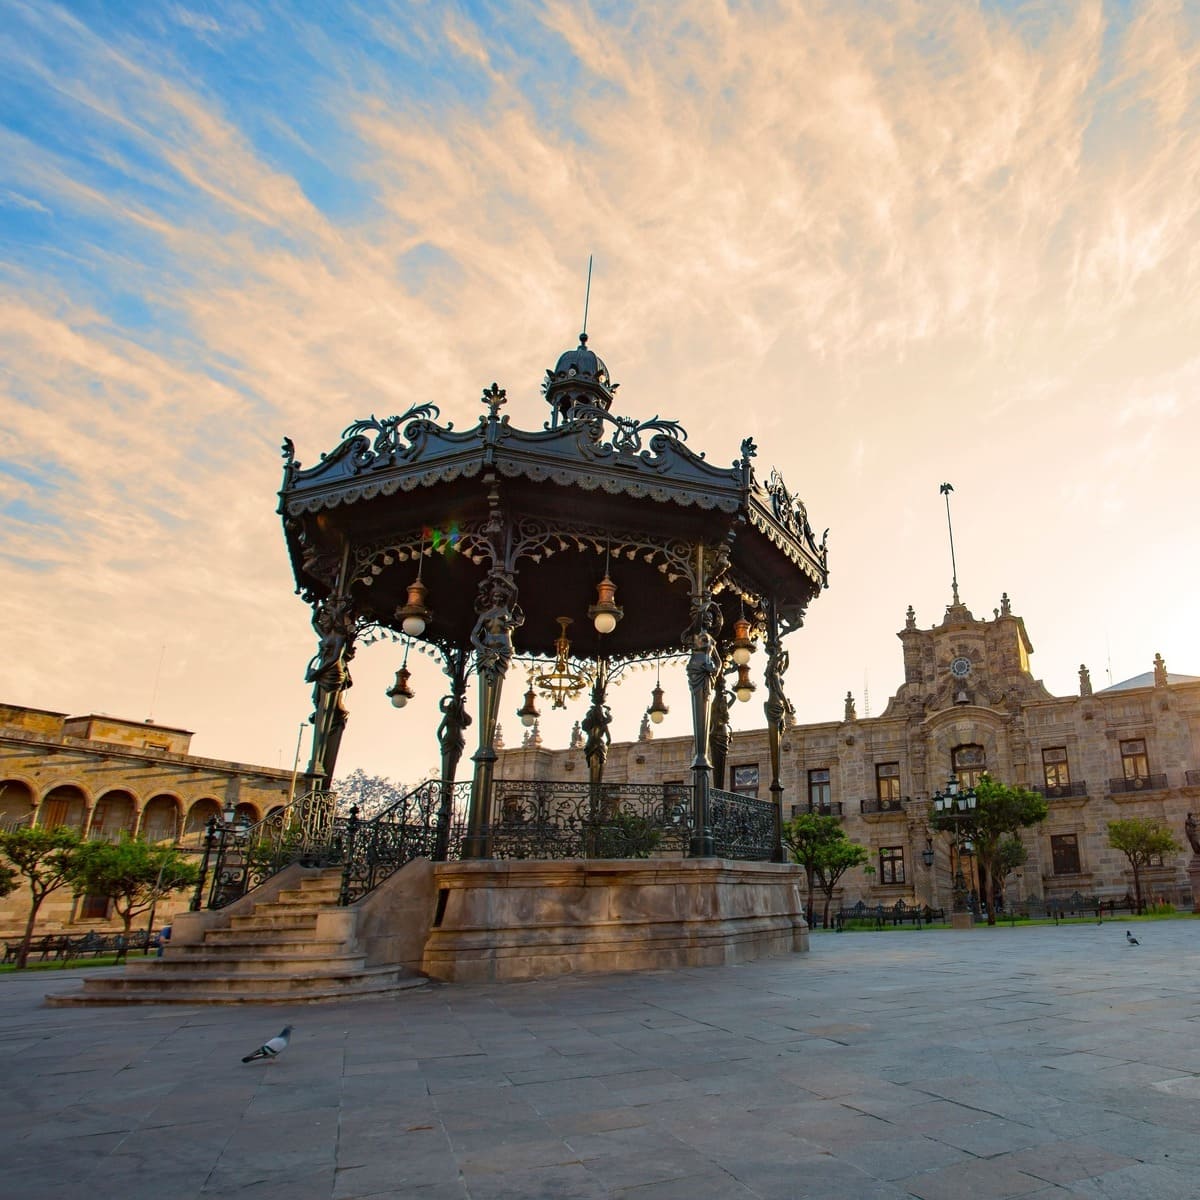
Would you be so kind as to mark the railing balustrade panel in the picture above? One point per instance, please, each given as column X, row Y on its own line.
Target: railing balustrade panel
column 743, row 827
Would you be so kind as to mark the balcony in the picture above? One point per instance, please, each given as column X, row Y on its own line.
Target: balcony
column 873, row 804
column 1139, row 783
column 828, row 809
column 1059, row 791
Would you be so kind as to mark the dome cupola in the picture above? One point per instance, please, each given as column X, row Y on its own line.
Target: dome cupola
column 579, row 377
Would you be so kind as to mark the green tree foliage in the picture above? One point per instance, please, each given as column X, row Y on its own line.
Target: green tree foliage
column 1000, row 813
column 44, row 859
column 819, row 844
column 132, row 873
column 1140, row 839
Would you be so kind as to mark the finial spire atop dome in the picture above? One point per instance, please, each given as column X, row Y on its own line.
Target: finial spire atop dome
column 579, row 377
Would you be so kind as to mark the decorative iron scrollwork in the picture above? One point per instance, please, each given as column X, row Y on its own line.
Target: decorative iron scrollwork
column 396, row 438
column 743, row 827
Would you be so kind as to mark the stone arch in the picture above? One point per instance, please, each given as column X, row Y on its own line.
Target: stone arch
column 965, row 728
column 197, row 817
column 248, row 812
column 113, row 815
column 18, row 802
column 161, row 818
column 66, row 804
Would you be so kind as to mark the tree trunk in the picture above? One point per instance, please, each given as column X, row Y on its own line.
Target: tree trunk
column 985, row 893
column 808, row 910
column 1137, row 886
column 23, row 953
column 825, row 911
column 127, row 918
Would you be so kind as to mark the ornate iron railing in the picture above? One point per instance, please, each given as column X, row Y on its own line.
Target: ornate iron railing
column 1138, row 783
column 873, row 804
column 743, row 827
column 403, row 831
column 242, row 856
column 1055, row 791
column 577, row 819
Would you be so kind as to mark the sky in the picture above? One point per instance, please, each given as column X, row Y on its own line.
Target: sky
column 899, row 244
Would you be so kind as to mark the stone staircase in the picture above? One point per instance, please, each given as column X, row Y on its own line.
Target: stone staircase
column 276, row 952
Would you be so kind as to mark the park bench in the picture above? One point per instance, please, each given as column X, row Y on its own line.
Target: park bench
column 897, row 914
column 59, row 947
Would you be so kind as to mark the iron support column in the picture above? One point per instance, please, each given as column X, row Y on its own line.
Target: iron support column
column 499, row 615
column 703, row 671
column 452, row 739
column 775, row 709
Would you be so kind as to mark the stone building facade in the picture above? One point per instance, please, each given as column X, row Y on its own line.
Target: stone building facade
column 106, row 777
column 968, row 704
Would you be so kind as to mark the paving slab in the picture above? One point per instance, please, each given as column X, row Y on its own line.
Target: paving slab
column 1042, row 1062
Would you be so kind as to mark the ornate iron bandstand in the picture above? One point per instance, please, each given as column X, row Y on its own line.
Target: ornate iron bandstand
column 493, row 545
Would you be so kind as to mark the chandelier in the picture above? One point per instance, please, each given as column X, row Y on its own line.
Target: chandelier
column 561, row 682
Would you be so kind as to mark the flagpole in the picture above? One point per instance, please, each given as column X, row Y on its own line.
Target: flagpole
column 945, row 490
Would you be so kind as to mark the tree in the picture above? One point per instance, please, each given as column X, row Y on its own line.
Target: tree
column 819, row 844
column 1140, row 839
column 999, row 813
column 133, row 874
column 44, row 857
column 371, row 794
column 835, row 860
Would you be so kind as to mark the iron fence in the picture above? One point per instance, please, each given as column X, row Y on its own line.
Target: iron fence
column 577, row 819
column 743, row 827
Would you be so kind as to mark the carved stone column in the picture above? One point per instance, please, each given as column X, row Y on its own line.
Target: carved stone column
column 499, row 614
column 452, row 739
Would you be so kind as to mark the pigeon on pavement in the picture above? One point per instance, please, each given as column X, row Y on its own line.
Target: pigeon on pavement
column 272, row 1048
column 1131, row 939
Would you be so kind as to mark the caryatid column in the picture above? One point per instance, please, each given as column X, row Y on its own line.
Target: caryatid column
column 499, row 614
column 775, row 707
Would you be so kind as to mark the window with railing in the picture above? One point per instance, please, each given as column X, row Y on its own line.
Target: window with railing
column 1064, row 853
column 887, row 782
column 969, row 763
column 1055, row 768
column 1134, row 762
column 819, row 791
column 891, row 864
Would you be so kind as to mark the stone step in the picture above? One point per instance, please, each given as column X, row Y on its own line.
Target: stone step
column 254, row 962
column 314, row 993
column 215, row 943
column 267, row 920
column 347, row 982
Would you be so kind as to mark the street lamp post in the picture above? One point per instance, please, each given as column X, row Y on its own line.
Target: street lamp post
column 957, row 806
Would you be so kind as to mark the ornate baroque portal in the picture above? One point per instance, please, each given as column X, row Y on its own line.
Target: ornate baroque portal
column 578, row 548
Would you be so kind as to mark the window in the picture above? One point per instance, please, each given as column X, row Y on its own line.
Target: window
column 1064, row 851
column 1055, row 768
column 1134, row 763
column 891, row 864
column 819, row 794
column 93, row 907
column 745, row 780
column 887, row 782
column 969, row 764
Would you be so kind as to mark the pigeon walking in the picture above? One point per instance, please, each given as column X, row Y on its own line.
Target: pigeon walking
column 1131, row 939
column 272, row 1048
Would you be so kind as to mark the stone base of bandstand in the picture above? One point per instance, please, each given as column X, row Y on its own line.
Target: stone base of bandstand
column 512, row 919
column 1194, row 876
column 962, row 920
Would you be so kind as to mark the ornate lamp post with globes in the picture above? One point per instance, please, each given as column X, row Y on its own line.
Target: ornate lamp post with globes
column 954, row 812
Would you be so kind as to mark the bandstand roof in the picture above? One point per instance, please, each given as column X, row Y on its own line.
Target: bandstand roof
column 558, row 503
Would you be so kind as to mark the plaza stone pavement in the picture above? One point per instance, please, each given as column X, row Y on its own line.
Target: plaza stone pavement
column 1048, row 1062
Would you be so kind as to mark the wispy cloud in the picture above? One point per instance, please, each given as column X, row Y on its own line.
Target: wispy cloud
column 947, row 233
